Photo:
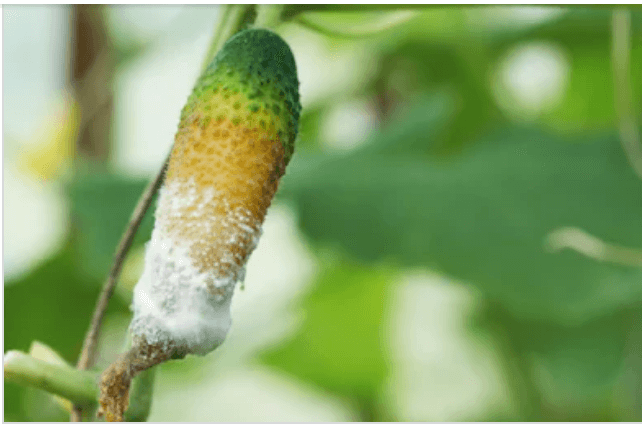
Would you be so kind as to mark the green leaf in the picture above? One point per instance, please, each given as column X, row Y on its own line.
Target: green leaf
column 309, row 127
column 587, row 26
column 50, row 304
column 340, row 344
column 101, row 205
column 451, row 74
column 583, row 37
column 292, row 10
column 435, row 112
column 53, row 303
column 588, row 103
column 485, row 216
column 574, row 368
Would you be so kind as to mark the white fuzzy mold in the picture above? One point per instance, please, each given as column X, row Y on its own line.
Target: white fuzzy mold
column 176, row 302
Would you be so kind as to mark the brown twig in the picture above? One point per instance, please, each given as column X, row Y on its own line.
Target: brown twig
column 91, row 75
column 88, row 352
column 116, row 380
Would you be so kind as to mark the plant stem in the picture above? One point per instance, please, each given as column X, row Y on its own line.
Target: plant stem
column 89, row 346
column 88, row 352
column 91, row 73
column 140, row 399
column 268, row 15
column 231, row 22
column 226, row 10
column 71, row 384
column 621, row 55
column 141, row 391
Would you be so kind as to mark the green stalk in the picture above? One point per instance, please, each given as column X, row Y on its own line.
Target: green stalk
column 74, row 385
column 140, row 396
column 231, row 22
column 268, row 15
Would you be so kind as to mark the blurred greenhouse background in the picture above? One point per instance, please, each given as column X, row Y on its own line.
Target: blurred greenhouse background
column 458, row 236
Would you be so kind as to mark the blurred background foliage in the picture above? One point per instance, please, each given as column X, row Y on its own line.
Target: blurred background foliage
column 415, row 265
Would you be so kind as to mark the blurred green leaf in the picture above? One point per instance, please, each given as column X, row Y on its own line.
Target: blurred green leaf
column 130, row 50
column 53, row 303
column 588, row 103
column 296, row 9
column 340, row 346
column 309, row 127
column 584, row 37
column 587, row 26
column 436, row 112
column 101, row 205
column 456, row 73
column 575, row 368
column 59, row 305
column 485, row 216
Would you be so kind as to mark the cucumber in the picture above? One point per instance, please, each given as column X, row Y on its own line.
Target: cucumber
column 236, row 136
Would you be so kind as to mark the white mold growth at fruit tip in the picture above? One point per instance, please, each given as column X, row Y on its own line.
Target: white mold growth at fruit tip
column 172, row 303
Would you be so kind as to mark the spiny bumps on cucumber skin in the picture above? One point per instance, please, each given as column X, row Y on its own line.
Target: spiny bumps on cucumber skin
column 235, row 137
column 253, row 80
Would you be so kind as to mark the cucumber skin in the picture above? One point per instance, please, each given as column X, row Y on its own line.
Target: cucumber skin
column 259, row 64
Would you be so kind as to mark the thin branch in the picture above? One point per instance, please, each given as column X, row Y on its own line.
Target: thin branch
column 231, row 22
column 225, row 11
column 88, row 352
column 91, row 75
column 592, row 247
column 141, row 391
column 89, row 346
column 621, row 55
column 64, row 381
